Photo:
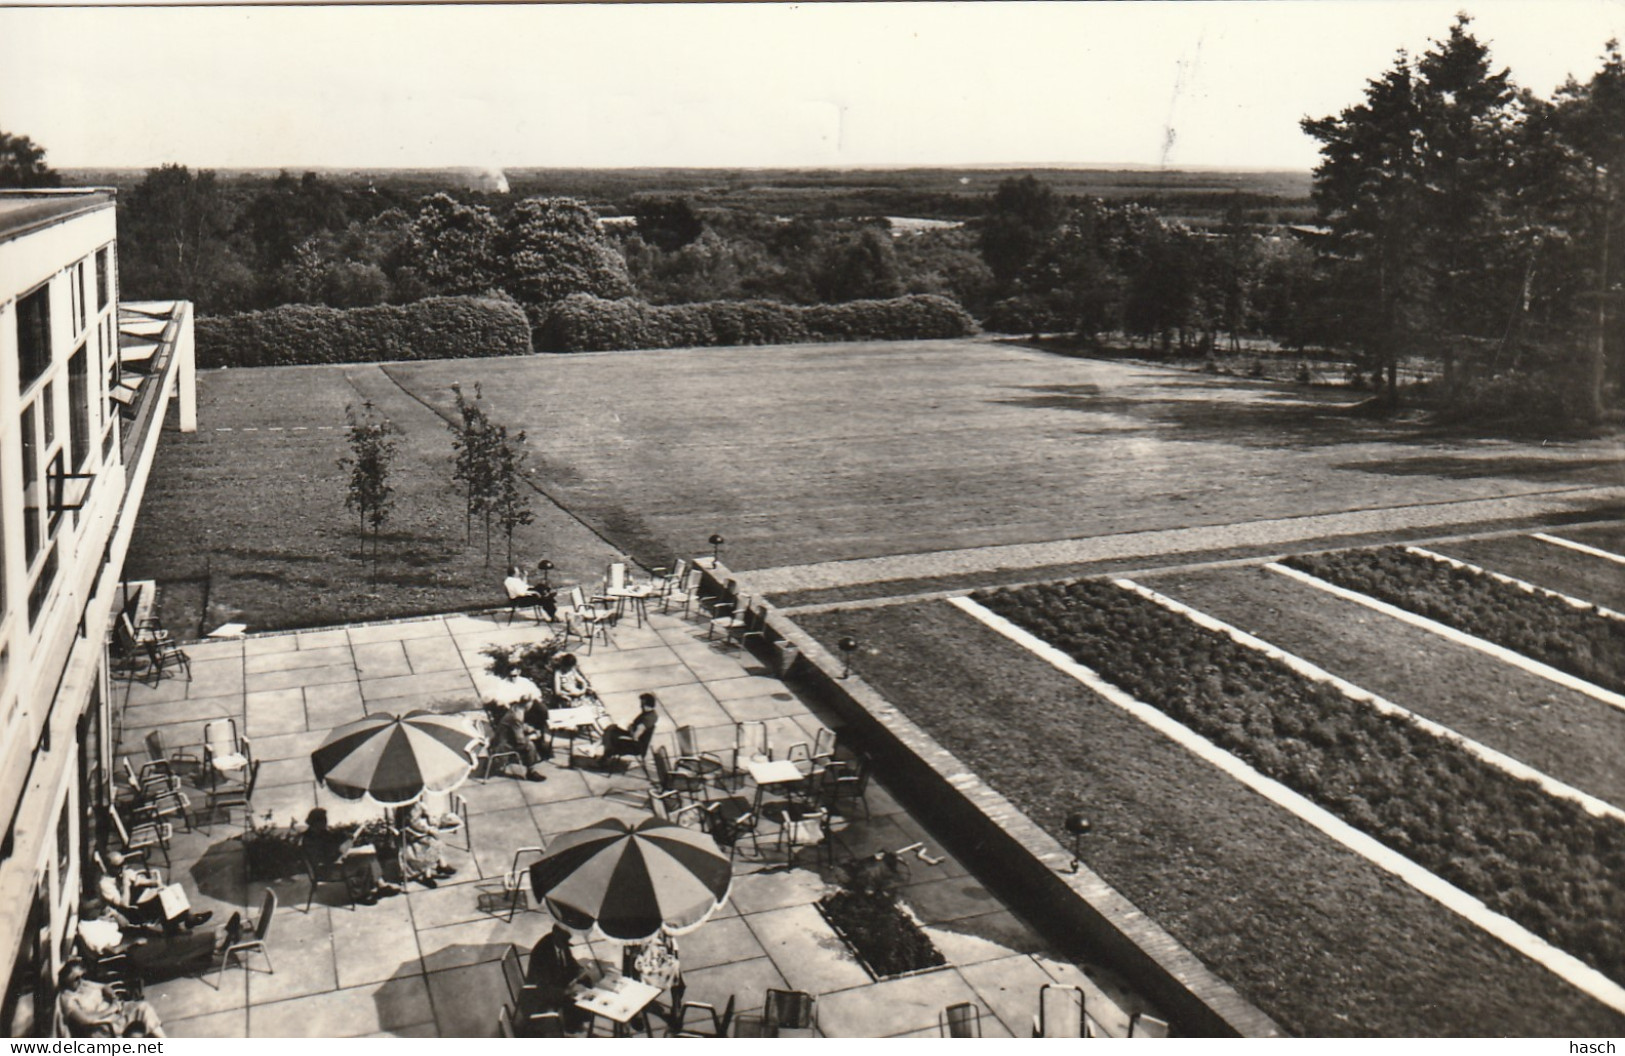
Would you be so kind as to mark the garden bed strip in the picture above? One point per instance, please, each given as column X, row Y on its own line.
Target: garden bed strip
column 1564, row 965
column 1550, row 785
column 1511, row 581
column 1518, row 660
column 1606, row 555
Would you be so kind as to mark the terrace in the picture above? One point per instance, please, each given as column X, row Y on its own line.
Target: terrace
column 427, row 963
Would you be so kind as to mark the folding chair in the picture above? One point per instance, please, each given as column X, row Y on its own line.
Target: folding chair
column 963, row 1020
column 1061, row 1012
column 157, row 793
column 262, row 931
column 790, row 1010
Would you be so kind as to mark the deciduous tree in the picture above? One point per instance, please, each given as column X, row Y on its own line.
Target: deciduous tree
column 22, row 163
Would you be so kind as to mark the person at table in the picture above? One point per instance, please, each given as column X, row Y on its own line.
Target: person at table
column 570, row 685
column 91, row 1009
column 554, row 971
column 423, row 857
column 520, row 590
column 134, row 895
column 360, row 867
column 514, row 734
column 634, row 740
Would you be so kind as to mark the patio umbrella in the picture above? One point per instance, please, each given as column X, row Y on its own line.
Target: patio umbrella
column 632, row 881
column 394, row 760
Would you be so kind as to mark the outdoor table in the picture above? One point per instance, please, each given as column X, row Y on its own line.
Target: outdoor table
column 571, row 722
column 772, row 772
column 638, row 596
column 619, row 1000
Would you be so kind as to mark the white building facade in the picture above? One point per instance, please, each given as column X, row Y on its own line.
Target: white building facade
column 85, row 384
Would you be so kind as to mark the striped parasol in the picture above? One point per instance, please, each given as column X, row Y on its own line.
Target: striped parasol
column 394, row 760
column 633, row 881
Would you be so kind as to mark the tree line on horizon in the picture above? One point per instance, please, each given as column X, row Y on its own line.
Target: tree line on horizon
column 1463, row 224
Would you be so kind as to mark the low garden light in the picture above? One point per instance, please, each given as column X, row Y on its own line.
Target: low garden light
column 1078, row 827
column 716, row 542
column 848, row 645
column 544, row 566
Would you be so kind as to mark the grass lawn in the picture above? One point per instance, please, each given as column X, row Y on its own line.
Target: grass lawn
column 1593, row 579
column 1566, row 734
column 1321, row 940
column 250, row 524
column 823, row 452
column 1610, row 537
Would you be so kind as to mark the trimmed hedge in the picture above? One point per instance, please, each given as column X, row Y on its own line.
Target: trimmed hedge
column 433, row 328
column 583, row 323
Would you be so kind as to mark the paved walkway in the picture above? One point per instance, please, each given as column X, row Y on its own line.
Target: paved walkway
column 426, row 964
column 1201, row 539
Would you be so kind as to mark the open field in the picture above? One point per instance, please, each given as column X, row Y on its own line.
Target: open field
column 818, row 453
column 796, row 454
column 1321, row 940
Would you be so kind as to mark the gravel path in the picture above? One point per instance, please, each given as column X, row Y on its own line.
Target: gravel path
column 1277, row 531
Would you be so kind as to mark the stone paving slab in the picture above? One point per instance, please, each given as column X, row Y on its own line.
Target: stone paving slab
column 425, row 963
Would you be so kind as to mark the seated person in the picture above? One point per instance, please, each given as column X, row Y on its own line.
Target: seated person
column 360, row 867
column 554, row 971
column 134, row 895
column 422, row 857
column 514, row 734
column 519, row 589
column 569, row 684
column 93, row 1010
column 634, row 740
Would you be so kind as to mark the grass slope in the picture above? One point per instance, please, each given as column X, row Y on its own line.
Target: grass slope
column 252, row 524
column 1317, row 937
column 1578, row 575
column 1566, row 734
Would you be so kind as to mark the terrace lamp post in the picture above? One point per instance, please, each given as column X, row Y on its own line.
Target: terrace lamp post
column 716, row 542
column 544, row 566
column 1078, row 826
column 848, row 645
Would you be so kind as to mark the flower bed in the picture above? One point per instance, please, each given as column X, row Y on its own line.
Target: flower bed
column 1321, row 940
column 1543, row 628
column 865, row 914
column 1560, row 731
column 1544, row 862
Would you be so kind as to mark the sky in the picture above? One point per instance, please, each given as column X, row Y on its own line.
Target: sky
column 1169, row 84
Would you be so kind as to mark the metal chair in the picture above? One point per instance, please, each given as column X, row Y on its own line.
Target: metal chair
column 587, row 622
column 730, row 821
column 142, row 835
column 488, row 754
column 522, row 599
column 165, row 655
column 225, row 754
column 679, row 1026
column 800, row 828
column 673, row 587
column 847, row 785
column 752, row 744
column 1141, row 1025
column 727, row 616
column 712, row 605
column 791, row 1010
column 231, row 795
column 823, row 752
column 1061, row 1012
column 693, row 759
column 156, row 793
column 963, row 1020
column 262, row 931
column 443, row 807
column 329, row 873
column 178, row 762
column 516, row 881
column 670, row 779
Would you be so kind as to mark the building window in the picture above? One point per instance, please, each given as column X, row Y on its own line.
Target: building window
column 76, row 295
column 79, row 407
column 31, row 487
column 33, row 335
column 104, row 276
column 42, row 588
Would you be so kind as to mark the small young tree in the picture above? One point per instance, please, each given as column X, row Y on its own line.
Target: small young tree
column 512, row 495
column 473, row 462
column 372, row 451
